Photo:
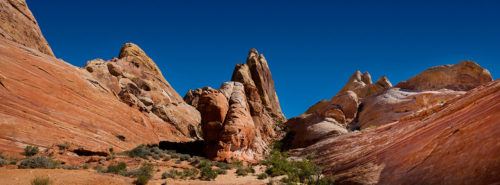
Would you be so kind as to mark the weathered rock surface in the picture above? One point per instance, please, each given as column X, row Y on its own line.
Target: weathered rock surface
column 18, row 24
column 256, row 73
column 242, row 126
column 362, row 85
column 396, row 103
column 138, row 82
column 453, row 144
column 462, row 76
column 46, row 101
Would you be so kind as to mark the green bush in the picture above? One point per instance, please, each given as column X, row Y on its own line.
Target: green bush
column 242, row 172
column 194, row 161
column 63, row 146
column 119, row 168
column 38, row 162
column 156, row 150
column 192, row 172
column 224, row 165
column 220, row 171
column 237, row 164
column 41, row 181
column 184, row 157
column 99, row 168
column 69, row 167
column 167, row 158
column 140, row 151
column 156, row 157
column 3, row 162
column 262, row 176
column 203, row 164
column 31, row 150
column 141, row 180
column 207, row 173
column 297, row 171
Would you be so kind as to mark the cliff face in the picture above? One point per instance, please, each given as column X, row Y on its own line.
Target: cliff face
column 18, row 24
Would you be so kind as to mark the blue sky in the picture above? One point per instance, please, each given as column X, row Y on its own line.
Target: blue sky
column 312, row 47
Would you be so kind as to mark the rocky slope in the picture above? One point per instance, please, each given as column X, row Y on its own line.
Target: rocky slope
column 452, row 144
column 240, row 119
column 19, row 25
column 118, row 104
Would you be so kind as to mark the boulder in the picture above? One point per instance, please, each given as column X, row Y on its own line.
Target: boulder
column 192, row 97
column 348, row 103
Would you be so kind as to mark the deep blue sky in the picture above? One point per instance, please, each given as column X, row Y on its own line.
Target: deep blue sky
column 312, row 47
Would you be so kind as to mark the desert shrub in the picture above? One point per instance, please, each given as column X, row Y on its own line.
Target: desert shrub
column 192, row 172
column 30, row 150
column 38, row 162
column 86, row 166
column 140, row 151
column 174, row 155
column 167, row 158
column 178, row 162
column 165, row 175
column 156, row 150
column 99, row 168
column 143, row 174
column 250, row 169
column 63, row 146
column 3, row 162
column 302, row 171
column 69, row 167
column 203, row 164
column 194, row 161
column 262, row 176
column 156, row 157
column 184, row 157
column 237, row 164
column 220, row 171
column 207, row 173
column 162, row 155
column 242, row 172
column 41, row 181
column 119, row 168
column 141, row 180
column 225, row 166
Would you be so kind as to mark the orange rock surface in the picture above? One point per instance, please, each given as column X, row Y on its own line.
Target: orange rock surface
column 46, row 101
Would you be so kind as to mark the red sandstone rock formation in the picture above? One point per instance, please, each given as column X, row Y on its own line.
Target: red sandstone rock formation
column 46, row 101
column 18, row 24
column 138, row 82
column 242, row 125
column 453, row 144
column 116, row 104
column 462, row 76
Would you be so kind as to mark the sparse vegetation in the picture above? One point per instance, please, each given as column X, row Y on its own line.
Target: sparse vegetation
column 41, row 181
column 207, row 173
column 63, row 146
column 38, row 162
column 262, row 176
column 140, row 151
column 143, row 174
column 220, row 171
column 30, row 150
column 225, row 166
column 3, row 162
column 242, row 172
column 120, row 168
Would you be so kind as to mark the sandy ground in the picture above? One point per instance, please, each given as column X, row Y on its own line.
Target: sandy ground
column 90, row 177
